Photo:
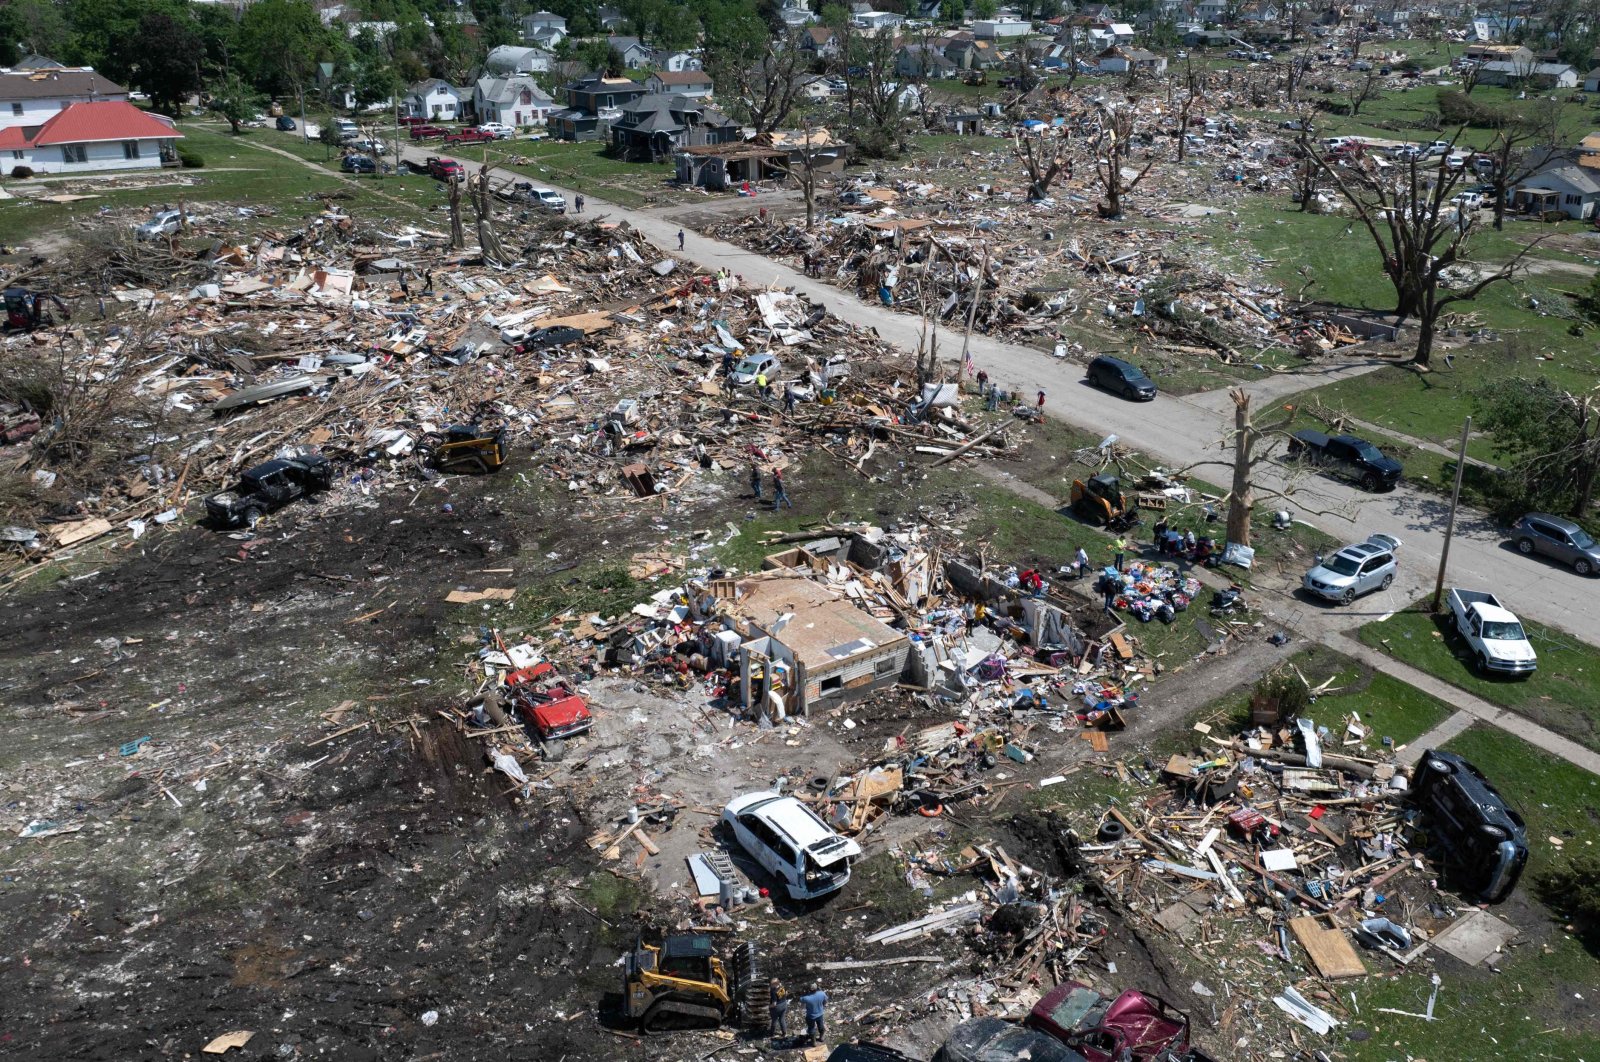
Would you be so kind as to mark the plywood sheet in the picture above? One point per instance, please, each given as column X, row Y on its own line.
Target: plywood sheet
column 1330, row 950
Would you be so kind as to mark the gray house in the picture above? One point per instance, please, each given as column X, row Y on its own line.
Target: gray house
column 1563, row 184
column 654, row 126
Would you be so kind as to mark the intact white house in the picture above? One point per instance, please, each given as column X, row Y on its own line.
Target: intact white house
column 515, row 101
column 88, row 137
column 434, row 99
column 512, row 59
column 34, row 96
column 994, row 29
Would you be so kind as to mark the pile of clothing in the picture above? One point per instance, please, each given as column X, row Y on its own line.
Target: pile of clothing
column 1149, row 591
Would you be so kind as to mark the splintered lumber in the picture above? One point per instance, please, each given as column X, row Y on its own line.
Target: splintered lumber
column 1347, row 764
column 1330, row 950
column 955, row 916
column 862, row 964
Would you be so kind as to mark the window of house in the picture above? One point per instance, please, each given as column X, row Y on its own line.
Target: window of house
column 832, row 685
column 16, row 110
column 73, row 153
column 130, row 149
column 884, row 666
column 17, row 155
column 611, row 101
column 1572, row 199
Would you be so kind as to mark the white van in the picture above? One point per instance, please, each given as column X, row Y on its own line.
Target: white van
column 791, row 843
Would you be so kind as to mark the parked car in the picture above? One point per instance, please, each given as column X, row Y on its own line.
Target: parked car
column 1558, row 537
column 1482, row 840
column 428, row 132
column 1355, row 570
column 550, row 711
column 546, row 199
column 1120, row 377
column 1348, row 456
column 791, row 843
column 752, row 365
column 1294, row 125
column 358, row 164
column 469, row 136
column 498, row 130
column 550, row 338
column 997, row 1040
column 285, row 124
column 1132, row 1027
column 268, row 487
column 444, row 169
column 1467, row 200
column 369, row 145
column 1493, row 633
column 165, row 223
column 409, row 120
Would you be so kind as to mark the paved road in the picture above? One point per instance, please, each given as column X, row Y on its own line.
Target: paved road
column 1182, row 430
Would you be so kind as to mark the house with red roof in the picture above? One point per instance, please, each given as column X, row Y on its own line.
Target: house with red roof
column 92, row 137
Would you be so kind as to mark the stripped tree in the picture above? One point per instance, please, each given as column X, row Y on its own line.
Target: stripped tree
column 1043, row 164
column 1113, row 148
column 1421, row 233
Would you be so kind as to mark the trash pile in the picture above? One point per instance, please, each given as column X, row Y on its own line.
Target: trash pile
column 618, row 368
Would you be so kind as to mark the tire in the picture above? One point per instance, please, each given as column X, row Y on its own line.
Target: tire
column 1525, row 546
column 252, row 516
column 1388, row 581
column 1582, row 567
column 1483, row 663
column 1369, row 482
column 1112, row 831
column 1441, row 768
column 1348, row 596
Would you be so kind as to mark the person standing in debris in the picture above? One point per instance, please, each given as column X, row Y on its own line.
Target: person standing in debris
column 777, row 1010
column 1190, row 542
column 983, row 382
column 577, row 201
column 727, row 363
column 1081, row 559
column 755, row 479
column 761, row 385
column 788, row 397
column 427, row 286
column 993, row 402
column 680, row 239
column 1119, row 549
column 1041, row 405
column 1108, row 587
column 814, row 1002
column 780, row 497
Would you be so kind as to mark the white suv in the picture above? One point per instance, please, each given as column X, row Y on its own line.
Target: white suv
column 791, row 843
column 500, row 131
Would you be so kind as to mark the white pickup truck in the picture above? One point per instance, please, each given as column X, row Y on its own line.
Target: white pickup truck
column 1494, row 634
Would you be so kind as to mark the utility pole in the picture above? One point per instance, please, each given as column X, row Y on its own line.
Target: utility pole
column 1450, row 525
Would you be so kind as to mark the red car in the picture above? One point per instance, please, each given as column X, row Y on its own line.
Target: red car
column 470, row 136
column 413, row 119
column 1132, row 1026
column 553, row 713
column 428, row 132
column 444, row 169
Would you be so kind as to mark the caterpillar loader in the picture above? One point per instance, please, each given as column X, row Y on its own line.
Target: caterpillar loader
column 682, row 983
column 463, row 448
column 1100, row 501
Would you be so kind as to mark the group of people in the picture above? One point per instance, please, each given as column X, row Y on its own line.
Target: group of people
column 814, row 1003
column 1170, row 542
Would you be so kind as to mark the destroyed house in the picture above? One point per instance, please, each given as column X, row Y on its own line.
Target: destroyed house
column 810, row 648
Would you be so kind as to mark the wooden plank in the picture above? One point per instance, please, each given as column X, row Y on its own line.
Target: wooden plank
column 1329, row 949
column 1097, row 740
column 1120, row 644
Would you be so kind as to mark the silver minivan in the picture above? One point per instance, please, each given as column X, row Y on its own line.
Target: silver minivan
column 791, row 843
column 1558, row 537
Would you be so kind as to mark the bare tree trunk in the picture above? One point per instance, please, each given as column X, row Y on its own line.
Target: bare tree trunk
column 1241, row 498
column 458, row 240
column 1425, row 333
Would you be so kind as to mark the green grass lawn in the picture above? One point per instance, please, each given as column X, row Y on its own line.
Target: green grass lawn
column 1564, row 694
column 585, row 167
column 1387, row 707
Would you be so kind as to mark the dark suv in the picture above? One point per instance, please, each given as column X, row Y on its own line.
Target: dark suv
column 267, row 487
column 1121, row 378
column 1481, row 839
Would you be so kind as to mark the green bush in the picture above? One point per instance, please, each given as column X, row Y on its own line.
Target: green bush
column 1457, row 108
column 190, row 158
column 1573, row 889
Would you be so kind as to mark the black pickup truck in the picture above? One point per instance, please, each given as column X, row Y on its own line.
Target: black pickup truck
column 267, row 487
column 1346, row 455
